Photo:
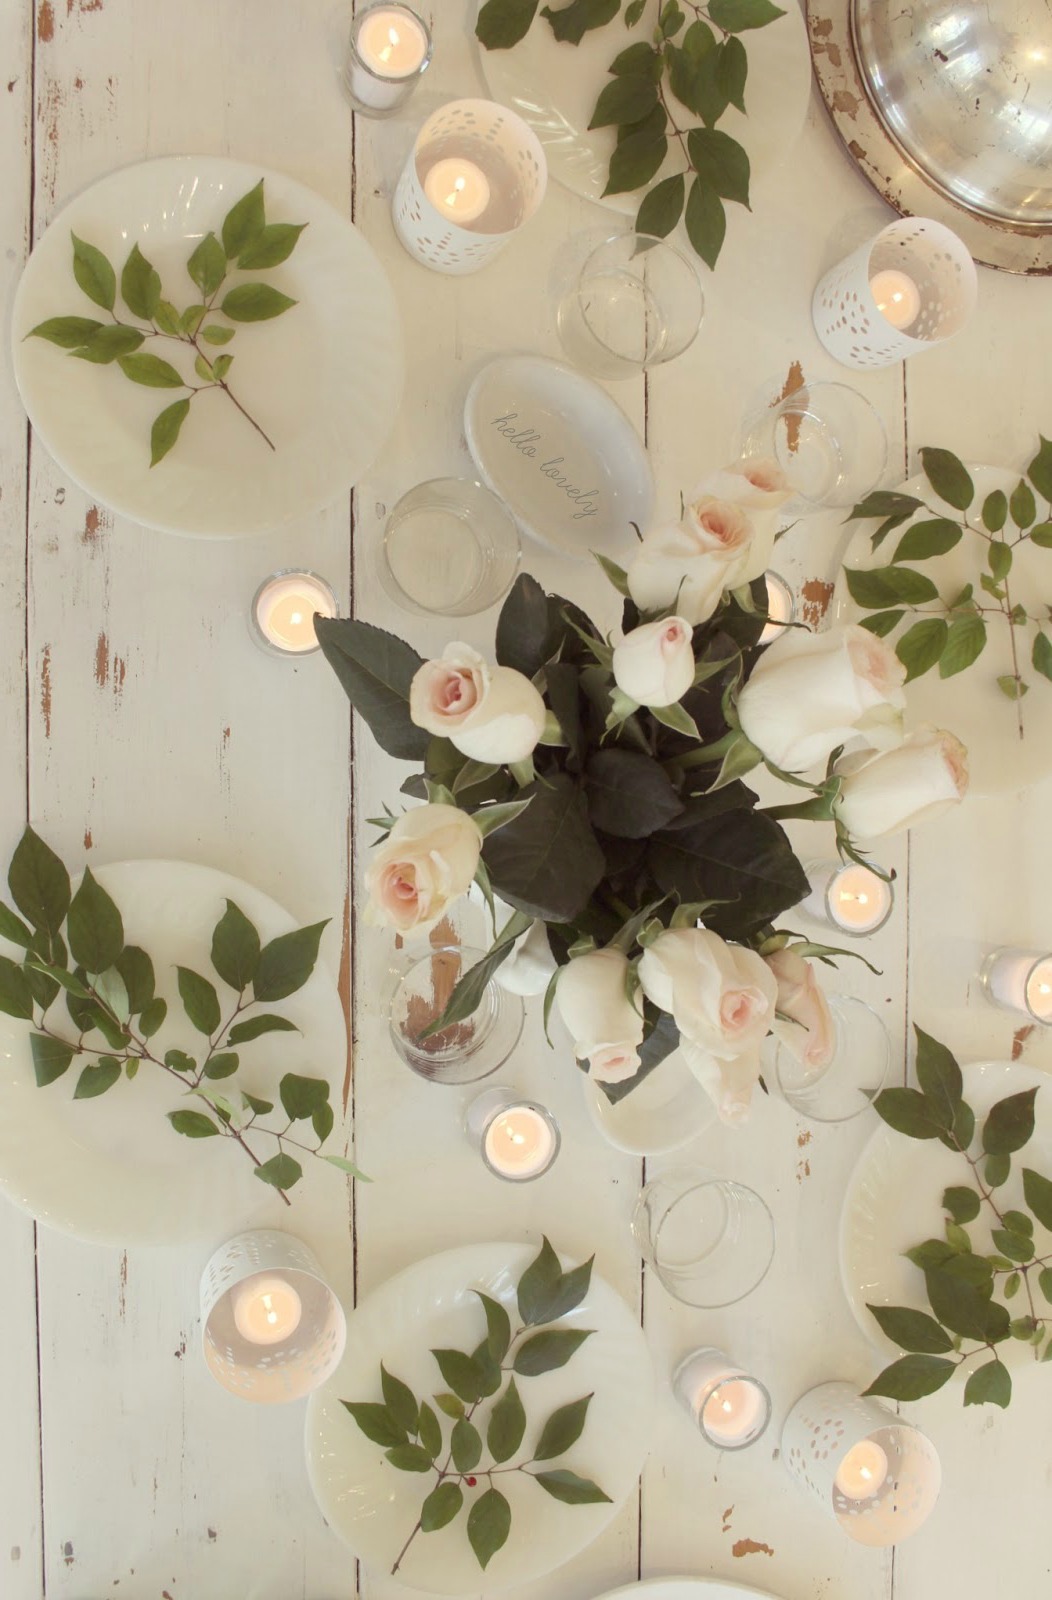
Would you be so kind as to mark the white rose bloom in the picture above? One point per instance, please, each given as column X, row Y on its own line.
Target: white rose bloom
column 491, row 714
column 804, row 1023
column 728, row 1084
column 813, row 691
column 689, row 564
column 606, row 1028
column 427, row 861
column 760, row 488
column 654, row 664
column 721, row 996
column 902, row 788
column 528, row 970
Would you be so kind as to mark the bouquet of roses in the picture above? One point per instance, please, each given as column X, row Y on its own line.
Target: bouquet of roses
column 596, row 789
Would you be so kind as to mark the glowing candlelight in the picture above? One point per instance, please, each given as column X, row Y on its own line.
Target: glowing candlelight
column 458, row 189
column 267, row 1310
column 390, row 49
column 1020, row 980
column 897, row 297
column 284, row 609
column 518, row 1139
column 730, row 1408
column 781, row 608
column 863, row 1471
column 850, row 897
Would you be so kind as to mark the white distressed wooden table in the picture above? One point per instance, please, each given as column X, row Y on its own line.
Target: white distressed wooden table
column 138, row 719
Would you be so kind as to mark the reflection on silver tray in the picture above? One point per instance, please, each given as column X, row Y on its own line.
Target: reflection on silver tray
column 944, row 105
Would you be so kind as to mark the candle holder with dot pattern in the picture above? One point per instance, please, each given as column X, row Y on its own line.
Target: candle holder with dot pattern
column 877, row 1476
column 272, row 1328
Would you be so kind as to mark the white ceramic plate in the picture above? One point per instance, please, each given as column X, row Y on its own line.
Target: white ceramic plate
column 564, row 458
column 685, row 1589
column 323, row 380
column 373, row 1507
column 667, row 1111
column 894, row 1201
column 970, row 704
column 554, row 87
column 112, row 1170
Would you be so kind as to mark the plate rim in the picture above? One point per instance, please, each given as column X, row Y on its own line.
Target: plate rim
column 670, row 1584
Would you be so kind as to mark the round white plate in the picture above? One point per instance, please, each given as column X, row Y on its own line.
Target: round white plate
column 323, row 380
column 685, row 1589
column 112, row 1170
column 373, row 1507
column 970, row 704
column 667, row 1111
column 894, row 1201
column 564, row 458
column 554, row 87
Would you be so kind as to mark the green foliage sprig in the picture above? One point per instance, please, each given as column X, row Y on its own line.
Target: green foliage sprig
column 952, row 631
column 966, row 1288
column 678, row 67
column 411, row 1432
column 248, row 243
column 109, row 989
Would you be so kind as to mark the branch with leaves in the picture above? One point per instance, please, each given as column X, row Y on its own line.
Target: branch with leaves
column 963, row 1282
column 247, row 243
column 697, row 66
column 412, row 1435
column 74, row 948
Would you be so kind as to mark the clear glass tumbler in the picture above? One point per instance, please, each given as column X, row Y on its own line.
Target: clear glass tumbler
column 450, row 549
column 709, row 1240
column 854, row 1077
column 828, row 440
column 636, row 301
column 465, row 1051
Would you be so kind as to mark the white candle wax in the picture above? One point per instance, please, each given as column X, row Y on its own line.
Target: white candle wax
column 897, row 297
column 780, row 608
column 1039, row 990
column 851, row 897
column 267, row 1310
column 390, row 48
column 730, row 1407
column 458, row 189
column 285, row 608
column 1021, row 980
column 519, row 1143
column 732, row 1411
column 863, row 1470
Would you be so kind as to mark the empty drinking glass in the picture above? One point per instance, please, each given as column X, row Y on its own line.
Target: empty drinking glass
column 450, row 548
column 709, row 1240
column 635, row 302
column 827, row 439
column 466, row 1050
column 855, row 1075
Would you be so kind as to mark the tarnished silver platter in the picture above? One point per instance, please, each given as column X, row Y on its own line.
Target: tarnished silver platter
column 946, row 107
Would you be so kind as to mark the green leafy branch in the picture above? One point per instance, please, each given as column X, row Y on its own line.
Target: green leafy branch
column 700, row 73
column 109, row 988
column 952, row 634
column 248, row 242
column 412, row 1435
column 959, row 1280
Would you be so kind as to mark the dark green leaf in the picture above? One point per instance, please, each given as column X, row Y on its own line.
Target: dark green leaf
column 572, row 22
column 68, row 332
column 1044, row 1279
column 638, row 59
column 1041, row 535
column 498, row 1327
column 932, row 1253
column 662, row 207
column 507, row 1424
column 502, row 23
column 545, row 1352
column 1016, row 1246
column 322, row 1119
column 223, row 1065
column 965, row 642
column 538, row 1285
column 461, row 1373
column 1040, row 469
column 285, row 963
column 633, row 11
column 913, row 1377
column 571, row 1489
column 885, row 503
column 1009, row 1124
column 878, row 587
column 301, row 1097
column 1012, row 1285
column 908, row 1112
column 96, row 1079
column 706, row 222
column 254, row 302
column 400, row 1403
column 547, row 862
column 948, row 477
column 430, row 1430
column 95, row 929
column 244, row 222
column 999, row 558
column 695, row 76
column 281, row 1172
column 50, row 1058
column 235, row 948
column 450, row 1405
column 166, row 428
column 377, row 1422
column 996, row 1170
column 39, row 883
column 443, row 1503
column 94, row 274
column 626, row 98
column 208, row 265
column 200, row 1001
column 670, row 19
column 635, row 161
column 150, row 371
column 16, row 996
column 957, row 1238
column 258, row 1107
column 1038, row 1193
column 569, row 1291
column 140, row 286
column 921, row 646
column 466, row 1445
column 136, row 968
column 271, row 247
column 109, row 344
column 13, row 928
column 489, row 1520
column 1042, row 655
column 962, row 1204
column 720, row 163
column 179, row 1061
column 562, row 1429
column 735, row 856
column 732, row 69
column 932, row 537
column 629, row 794
column 409, row 1458
column 152, row 1019
column 939, row 1076
column 522, row 627
column 1021, row 504
column 995, row 511
column 963, row 1308
column 255, row 1027
column 882, row 622
column 193, row 1124
column 738, row 15
column 376, row 670
column 989, row 1384
column 912, row 1330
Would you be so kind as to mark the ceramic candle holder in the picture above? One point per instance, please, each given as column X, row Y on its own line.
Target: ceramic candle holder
column 730, row 1408
column 877, row 1476
column 848, row 897
column 919, row 255
column 502, row 178
column 1019, row 981
column 388, row 52
column 240, row 1351
column 517, row 1139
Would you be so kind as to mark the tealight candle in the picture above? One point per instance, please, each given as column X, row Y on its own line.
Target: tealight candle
column 458, row 189
column 390, row 48
column 284, row 608
column 266, row 1310
column 781, row 608
column 518, row 1139
column 730, row 1408
column 1020, row 981
column 850, row 897
column 897, row 297
column 862, row 1472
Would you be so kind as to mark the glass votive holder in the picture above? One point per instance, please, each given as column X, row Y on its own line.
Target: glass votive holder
column 464, row 1051
column 475, row 175
column 388, row 52
column 272, row 1328
column 911, row 286
column 851, row 1080
column 709, row 1240
column 875, row 1474
column 517, row 1138
column 827, row 439
column 450, row 549
column 848, row 897
column 731, row 1409
column 283, row 610
column 1019, row 981
column 781, row 608
column 637, row 301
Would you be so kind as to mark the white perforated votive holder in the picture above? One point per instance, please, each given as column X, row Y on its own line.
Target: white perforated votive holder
column 828, row 1422
column 509, row 155
column 845, row 310
column 274, row 1373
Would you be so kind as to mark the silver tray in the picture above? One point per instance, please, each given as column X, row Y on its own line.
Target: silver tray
column 946, row 107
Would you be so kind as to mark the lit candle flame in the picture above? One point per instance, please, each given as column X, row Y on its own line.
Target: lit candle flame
column 392, row 44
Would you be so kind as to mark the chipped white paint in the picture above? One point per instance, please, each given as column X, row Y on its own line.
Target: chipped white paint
column 155, row 726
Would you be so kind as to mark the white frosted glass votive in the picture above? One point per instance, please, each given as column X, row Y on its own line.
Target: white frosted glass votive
column 283, row 610
column 848, row 897
column 388, row 52
column 1019, row 981
column 517, row 1138
column 730, row 1408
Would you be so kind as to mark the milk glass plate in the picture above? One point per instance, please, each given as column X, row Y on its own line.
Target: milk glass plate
column 894, row 1201
column 561, row 455
column 432, row 1305
column 113, row 1170
column 323, row 380
column 554, row 87
column 970, row 704
column 685, row 1589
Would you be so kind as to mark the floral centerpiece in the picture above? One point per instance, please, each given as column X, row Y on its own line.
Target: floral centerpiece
column 596, row 788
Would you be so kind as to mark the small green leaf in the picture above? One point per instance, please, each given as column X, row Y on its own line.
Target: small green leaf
column 153, row 1018
column 193, row 1124
column 255, row 1027
column 281, row 1172
column 235, row 948
column 461, row 1373
column 376, row 1422
column 140, row 286
column 1018, row 1221
column 626, row 98
column 965, row 642
column 443, row 1503
column 192, row 319
column 964, row 1308
column 450, row 1405
column 1040, row 469
column 166, row 428
column 221, row 366
column 957, row 1238
column 1010, row 1124
column 255, row 302
column 996, row 1170
column 921, row 646
column 222, row 1065
column 962, row 1204
column 286, row 963
column 547, row 1351
column 706, row 222
column 878, row 587
column 999, row 559
column 94, row 926
column 167, row 318
column 1044, row 1280
column 498, row 1326
column 489, row 1523
column 502, row 23
column 538, row 1285
column 409, row 1458
column 179, row 1061
column 322, row 1119
column 1042, row 655
column 720, row 162
column 39, row 883
column 571, row 1489
column 1016, row 1246
column 636, row 160
column 1038, row 1193
column 1011, row 687
column 16, row 996
column 244, row 222
column 208, row 265
column 96, row 1079
column 913, row 1377
column 400, row 1402
column 109, row 344
column 932, row 1253
column 430, row 1430
column 150, row 371
column 1021, row 504
column 995, row 511
column 203, row 369
column 216, row 334
column 136, row 968
column 94, row 274
column 301, row 1097
column 67, row 332
column 932, row 537
column 343, row 1165
column 908, row 1112
column 200, row 1001
column 882, row 622
column 659, row 213
column 738, row 15
column 466, row 1445
column 634, row 11
column 1012, row 1285
column 562, row 1429
column 732, row 68
column 989, row 1384
column 51, row 1058
column 507, row 1424
column 948, row 477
